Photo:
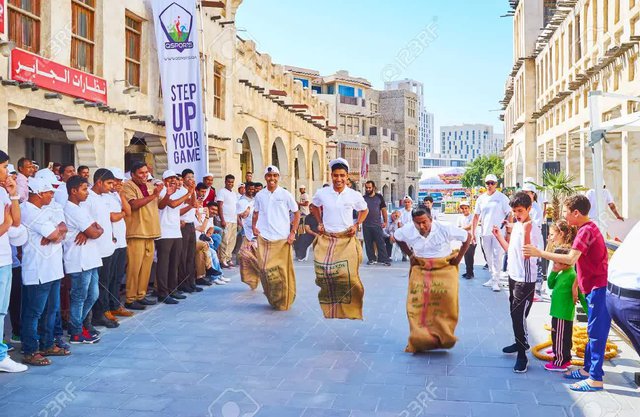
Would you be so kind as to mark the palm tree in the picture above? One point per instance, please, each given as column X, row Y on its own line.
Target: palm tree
column 559, row 186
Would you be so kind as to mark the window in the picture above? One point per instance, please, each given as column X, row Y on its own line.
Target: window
column 317, row 89
column 305, row 82
column 343, row 124
column 24, row 24
column 133, row 39
column 616, row 15
column 605, row 16
column 83, row 34
column 578, row 54
column 347, row 91
column 594, row 13
column 218, row 90
column 633, row 61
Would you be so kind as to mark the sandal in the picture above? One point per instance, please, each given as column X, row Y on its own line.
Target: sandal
column 36, row 359
column 575, row 375
column 56, row 351
column 583, row 386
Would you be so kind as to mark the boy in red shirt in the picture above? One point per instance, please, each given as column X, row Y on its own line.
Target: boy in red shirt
column 589, row 254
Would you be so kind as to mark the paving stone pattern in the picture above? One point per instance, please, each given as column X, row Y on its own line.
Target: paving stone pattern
column 225, row 353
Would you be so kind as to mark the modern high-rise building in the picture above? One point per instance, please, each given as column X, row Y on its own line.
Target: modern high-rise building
column 469, row 141
column 425, row 118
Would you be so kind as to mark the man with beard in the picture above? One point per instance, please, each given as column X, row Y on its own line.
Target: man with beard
column 337, row 252
column 275, row 233
column 374, row 225
column 432, row 299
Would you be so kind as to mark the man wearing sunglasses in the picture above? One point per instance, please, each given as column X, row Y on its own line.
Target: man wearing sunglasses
column 492, row 209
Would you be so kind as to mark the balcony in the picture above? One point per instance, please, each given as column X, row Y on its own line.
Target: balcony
column 353, row 101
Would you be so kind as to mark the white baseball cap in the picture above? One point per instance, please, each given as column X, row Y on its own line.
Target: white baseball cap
column 465, row 203
column 168, row 174
column 491, row 177
column 337, row 161
column 529, row 187
column 407, row 197
column 47, row 175
column 118, row 173
column 271, row 168
column 11, row 169
column 39, row 185
column 208, row 174
column 302, row 186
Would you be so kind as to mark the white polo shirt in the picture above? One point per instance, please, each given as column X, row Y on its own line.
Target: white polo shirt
column 40, row 264
column 5, row 246
column 337, row 209
column 229, row 200
column 519, row 268
column 493, row 209
column 99, row 206
column 623, row 268
column 170, row 217
column 119, row 227
column 607, row 198
column 189, row 216
column 437, row 244
column 243, row 203
column 274, row 208
column 78, row 258
column 405, row 216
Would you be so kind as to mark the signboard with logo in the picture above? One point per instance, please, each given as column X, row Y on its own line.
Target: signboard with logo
column 3, row 12
column 28, row 67
column 179, row 58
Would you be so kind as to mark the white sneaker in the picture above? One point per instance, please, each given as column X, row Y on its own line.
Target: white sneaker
column 218, row 281
column 504, row 274
column 495, row 287
column 225, row 279
column 488, row 283
column 11, row 366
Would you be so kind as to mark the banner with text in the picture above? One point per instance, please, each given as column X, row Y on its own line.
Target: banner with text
column 179, row 56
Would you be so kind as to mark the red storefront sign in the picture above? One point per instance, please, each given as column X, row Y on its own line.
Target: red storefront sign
column 28, row 67
column 3, row 12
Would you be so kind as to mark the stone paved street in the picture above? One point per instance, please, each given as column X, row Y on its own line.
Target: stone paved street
column 225, row 353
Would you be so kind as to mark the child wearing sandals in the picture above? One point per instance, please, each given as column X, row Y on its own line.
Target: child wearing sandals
column 589, row 253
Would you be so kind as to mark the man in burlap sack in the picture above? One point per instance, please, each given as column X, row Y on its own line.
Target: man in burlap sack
column 432, row 298
column 275, row 233
column 337, row 252
column 247, row 256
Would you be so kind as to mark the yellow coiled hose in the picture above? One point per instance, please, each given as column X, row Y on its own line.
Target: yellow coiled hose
column 579, row 339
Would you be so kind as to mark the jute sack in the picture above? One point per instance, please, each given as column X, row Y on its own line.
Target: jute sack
column 337, row 261
column 276, row 272
column 432, row 304
column 248, row 263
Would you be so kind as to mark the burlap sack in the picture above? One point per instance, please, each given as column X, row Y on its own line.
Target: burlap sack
column 432, row 304
column 248, row 263
column 276, row 272
column 337, row 261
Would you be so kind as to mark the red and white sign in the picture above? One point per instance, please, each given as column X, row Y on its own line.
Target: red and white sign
column 3, row 12
column 28, row 67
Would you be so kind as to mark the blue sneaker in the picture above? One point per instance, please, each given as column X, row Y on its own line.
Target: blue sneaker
column 58, row 341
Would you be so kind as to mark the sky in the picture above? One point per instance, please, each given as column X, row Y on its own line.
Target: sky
column 461, row 50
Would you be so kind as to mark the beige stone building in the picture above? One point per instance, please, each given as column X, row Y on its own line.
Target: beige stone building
column 380, row 127
column 585, row 45
column 255, row 114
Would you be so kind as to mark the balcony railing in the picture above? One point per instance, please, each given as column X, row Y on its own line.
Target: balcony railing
column 349, row 100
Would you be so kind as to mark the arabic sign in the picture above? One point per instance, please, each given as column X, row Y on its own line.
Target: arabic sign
column 179, row 58
column 3, row 11
column 28, row 67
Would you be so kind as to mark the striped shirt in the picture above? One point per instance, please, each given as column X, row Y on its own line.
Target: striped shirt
column 519, row 268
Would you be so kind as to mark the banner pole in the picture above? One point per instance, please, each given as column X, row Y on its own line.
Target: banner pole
column 205, row 84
